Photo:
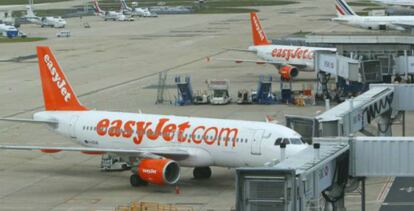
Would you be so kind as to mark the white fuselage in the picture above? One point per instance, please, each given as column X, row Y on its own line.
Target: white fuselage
column 143, row 12
column 56, row 22
column 210, row 142
column 138, row 11
column 396, row 2
column 302, row 56
column 376, row 22
column 112, row 15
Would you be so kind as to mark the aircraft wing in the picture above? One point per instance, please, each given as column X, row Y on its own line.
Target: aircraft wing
column 172, row 153
column 242, row 60
column 406, row 25
column 276, row 63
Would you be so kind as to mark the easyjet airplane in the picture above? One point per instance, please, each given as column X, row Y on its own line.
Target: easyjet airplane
column 155, row 145
column 288, row 59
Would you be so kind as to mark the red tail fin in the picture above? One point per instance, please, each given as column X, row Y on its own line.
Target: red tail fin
column 97, row 8
column 259, row 36
column 57, row 92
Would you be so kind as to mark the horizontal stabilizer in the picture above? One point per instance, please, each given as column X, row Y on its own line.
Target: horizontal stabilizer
column 241, row 50
column 141, row 153
column 32, row 121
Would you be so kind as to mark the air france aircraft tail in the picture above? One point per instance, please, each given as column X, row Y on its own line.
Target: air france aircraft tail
column 259, row 36
column 57, row 93
column 97, row 8
column 343, row 9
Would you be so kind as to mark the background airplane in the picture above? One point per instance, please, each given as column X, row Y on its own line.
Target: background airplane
column 138, row 11
column 345, row 15
column 154, row 145
column 109, row 15
column 288, row 59
column 409, row 3
column 55, row 22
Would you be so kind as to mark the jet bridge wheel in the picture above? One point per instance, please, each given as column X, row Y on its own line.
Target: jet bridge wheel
column 202, row 172
column 136, row 181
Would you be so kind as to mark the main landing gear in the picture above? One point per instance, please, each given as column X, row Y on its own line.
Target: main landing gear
column 202, row 172
column 136, row 181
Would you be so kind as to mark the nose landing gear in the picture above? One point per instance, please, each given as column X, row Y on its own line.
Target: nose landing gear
column 202, row 172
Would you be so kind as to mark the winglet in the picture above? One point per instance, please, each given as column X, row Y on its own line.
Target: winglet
column 57, row 93
column 259, row 36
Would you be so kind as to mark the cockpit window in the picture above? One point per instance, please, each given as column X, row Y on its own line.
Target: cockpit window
column 280, row 140
column 295, row 141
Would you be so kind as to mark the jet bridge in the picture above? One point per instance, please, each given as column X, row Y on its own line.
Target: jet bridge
column 352, row 74
column 383, row 103
column 299, row 182
column 294, row 183
column 362, row 58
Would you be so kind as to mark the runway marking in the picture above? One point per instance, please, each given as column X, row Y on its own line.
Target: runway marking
column 385, row 189
column 38, row 179
column 359, row 203
column 398, row 204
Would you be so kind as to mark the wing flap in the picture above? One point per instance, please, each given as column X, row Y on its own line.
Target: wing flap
column 276, row 63
column 406, row 25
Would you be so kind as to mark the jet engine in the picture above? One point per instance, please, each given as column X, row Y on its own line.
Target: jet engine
column 159, row 171
column 288, row 72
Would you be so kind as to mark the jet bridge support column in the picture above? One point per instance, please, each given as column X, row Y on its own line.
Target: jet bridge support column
column 323, row 79
column 363, row 194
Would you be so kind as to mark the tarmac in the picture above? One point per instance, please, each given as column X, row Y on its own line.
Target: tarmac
column 114, row 66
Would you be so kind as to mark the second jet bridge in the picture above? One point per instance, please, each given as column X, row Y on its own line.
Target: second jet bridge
column 382, row 102
column 355, row 114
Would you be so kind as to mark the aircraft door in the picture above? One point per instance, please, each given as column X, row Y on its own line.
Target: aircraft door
column 257, row 142
column 72, row 126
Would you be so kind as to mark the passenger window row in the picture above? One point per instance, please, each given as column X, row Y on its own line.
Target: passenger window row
column 89, row 128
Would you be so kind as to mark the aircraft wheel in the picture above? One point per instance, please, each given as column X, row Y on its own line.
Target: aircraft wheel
column 202, row 172
column 136, row 181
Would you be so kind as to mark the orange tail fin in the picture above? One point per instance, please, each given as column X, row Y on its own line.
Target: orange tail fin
column 259, row 36
column 57, row 92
